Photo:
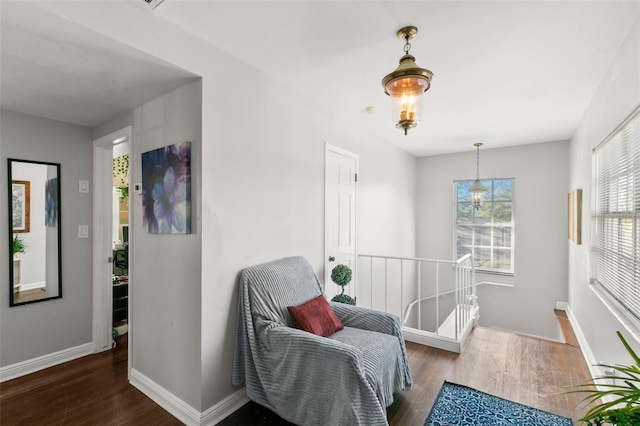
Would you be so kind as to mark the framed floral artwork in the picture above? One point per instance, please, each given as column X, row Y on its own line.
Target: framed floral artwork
column 166, row 190
column 51, row 203
column 21, row 205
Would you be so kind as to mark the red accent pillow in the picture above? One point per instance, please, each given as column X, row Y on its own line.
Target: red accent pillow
column 316, row 316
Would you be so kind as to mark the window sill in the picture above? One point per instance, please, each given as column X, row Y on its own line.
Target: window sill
column 503, row 274
column 628, row 321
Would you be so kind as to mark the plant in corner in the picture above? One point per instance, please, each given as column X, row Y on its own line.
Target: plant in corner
column 341, row 275
column 18, row 245
column 616, row 399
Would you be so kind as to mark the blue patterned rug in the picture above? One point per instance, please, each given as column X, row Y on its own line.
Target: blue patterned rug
column 460, row 405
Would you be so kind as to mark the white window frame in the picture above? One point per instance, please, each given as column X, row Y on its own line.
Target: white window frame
column 617, row 283
column 512, row 225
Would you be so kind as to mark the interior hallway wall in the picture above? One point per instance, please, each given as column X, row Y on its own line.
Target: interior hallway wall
column 540, row 211
column 38, row 329
column 165, row 280
column 617, row 96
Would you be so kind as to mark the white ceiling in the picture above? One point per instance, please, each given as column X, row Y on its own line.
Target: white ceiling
column 505, row 72
column 55, row 69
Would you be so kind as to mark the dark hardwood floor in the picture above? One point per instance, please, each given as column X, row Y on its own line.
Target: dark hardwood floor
column 94, row 391
column 29, row 295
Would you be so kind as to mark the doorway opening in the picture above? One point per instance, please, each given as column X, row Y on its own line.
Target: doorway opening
column 112, row 240
column 120, row 238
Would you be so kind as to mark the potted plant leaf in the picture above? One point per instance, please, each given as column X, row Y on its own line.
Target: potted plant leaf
column 613, row 399
column 341, row 275
column 18, row 247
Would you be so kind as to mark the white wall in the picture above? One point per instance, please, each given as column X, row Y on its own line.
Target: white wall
column 616, row 98
column 387, row 195
column 540, row 212
column 38, row 329
column 166, row 275
column 263, row 198
column 262, row 190
column 165, row 279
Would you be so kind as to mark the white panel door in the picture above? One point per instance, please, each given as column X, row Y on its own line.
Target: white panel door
column 341, row 168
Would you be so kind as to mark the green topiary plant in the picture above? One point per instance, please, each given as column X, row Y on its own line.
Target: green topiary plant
column 341, row 275
column 18, row 244
column 623, row 406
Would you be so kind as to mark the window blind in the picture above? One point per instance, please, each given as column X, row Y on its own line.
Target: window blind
column 617, row 214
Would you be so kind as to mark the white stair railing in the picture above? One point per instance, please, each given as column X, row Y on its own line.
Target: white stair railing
column 466, row 299
column 391, row 280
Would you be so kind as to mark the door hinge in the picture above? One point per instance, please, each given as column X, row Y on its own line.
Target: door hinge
column 356, row 177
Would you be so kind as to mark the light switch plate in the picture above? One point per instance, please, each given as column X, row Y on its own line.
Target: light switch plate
column 83, row 231
column 83, row 186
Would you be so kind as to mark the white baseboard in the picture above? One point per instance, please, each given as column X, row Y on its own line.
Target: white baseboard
column 40, row 363
column 431, row 339
column 442, row 341
column 582, row 340
column 33, row 286
column 174, row 405
column 183, row 411
column 224, row 408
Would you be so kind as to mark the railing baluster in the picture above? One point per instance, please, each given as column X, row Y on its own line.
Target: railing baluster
column 371, row 283
column 468, row 299
column 438, row 298
column 386, row 283
column 456, row 301
column 419, row 295
column 401, row 285
column 461, row 302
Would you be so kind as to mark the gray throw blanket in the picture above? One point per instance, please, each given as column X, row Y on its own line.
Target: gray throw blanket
column 346, row 379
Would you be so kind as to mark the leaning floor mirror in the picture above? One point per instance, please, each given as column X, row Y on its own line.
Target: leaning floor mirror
column 34, row 231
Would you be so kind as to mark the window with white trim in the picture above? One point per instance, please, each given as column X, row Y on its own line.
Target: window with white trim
column 616, row 215
column 487, row 232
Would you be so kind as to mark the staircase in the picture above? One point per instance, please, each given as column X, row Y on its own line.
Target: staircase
column 443, row 310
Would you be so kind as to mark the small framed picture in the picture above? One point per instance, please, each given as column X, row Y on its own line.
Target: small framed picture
column 21, row 205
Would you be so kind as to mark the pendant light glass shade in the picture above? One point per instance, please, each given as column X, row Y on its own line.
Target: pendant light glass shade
column 406, row 84
column 477, row 189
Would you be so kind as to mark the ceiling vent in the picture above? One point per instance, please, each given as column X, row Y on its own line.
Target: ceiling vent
column 149, row 4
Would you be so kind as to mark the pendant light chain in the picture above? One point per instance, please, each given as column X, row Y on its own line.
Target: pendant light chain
column 407, row 45
column 478, row 163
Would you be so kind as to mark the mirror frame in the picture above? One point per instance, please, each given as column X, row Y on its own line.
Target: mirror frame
column 10, row 162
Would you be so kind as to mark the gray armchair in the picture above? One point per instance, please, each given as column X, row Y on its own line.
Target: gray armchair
column 347, row 378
